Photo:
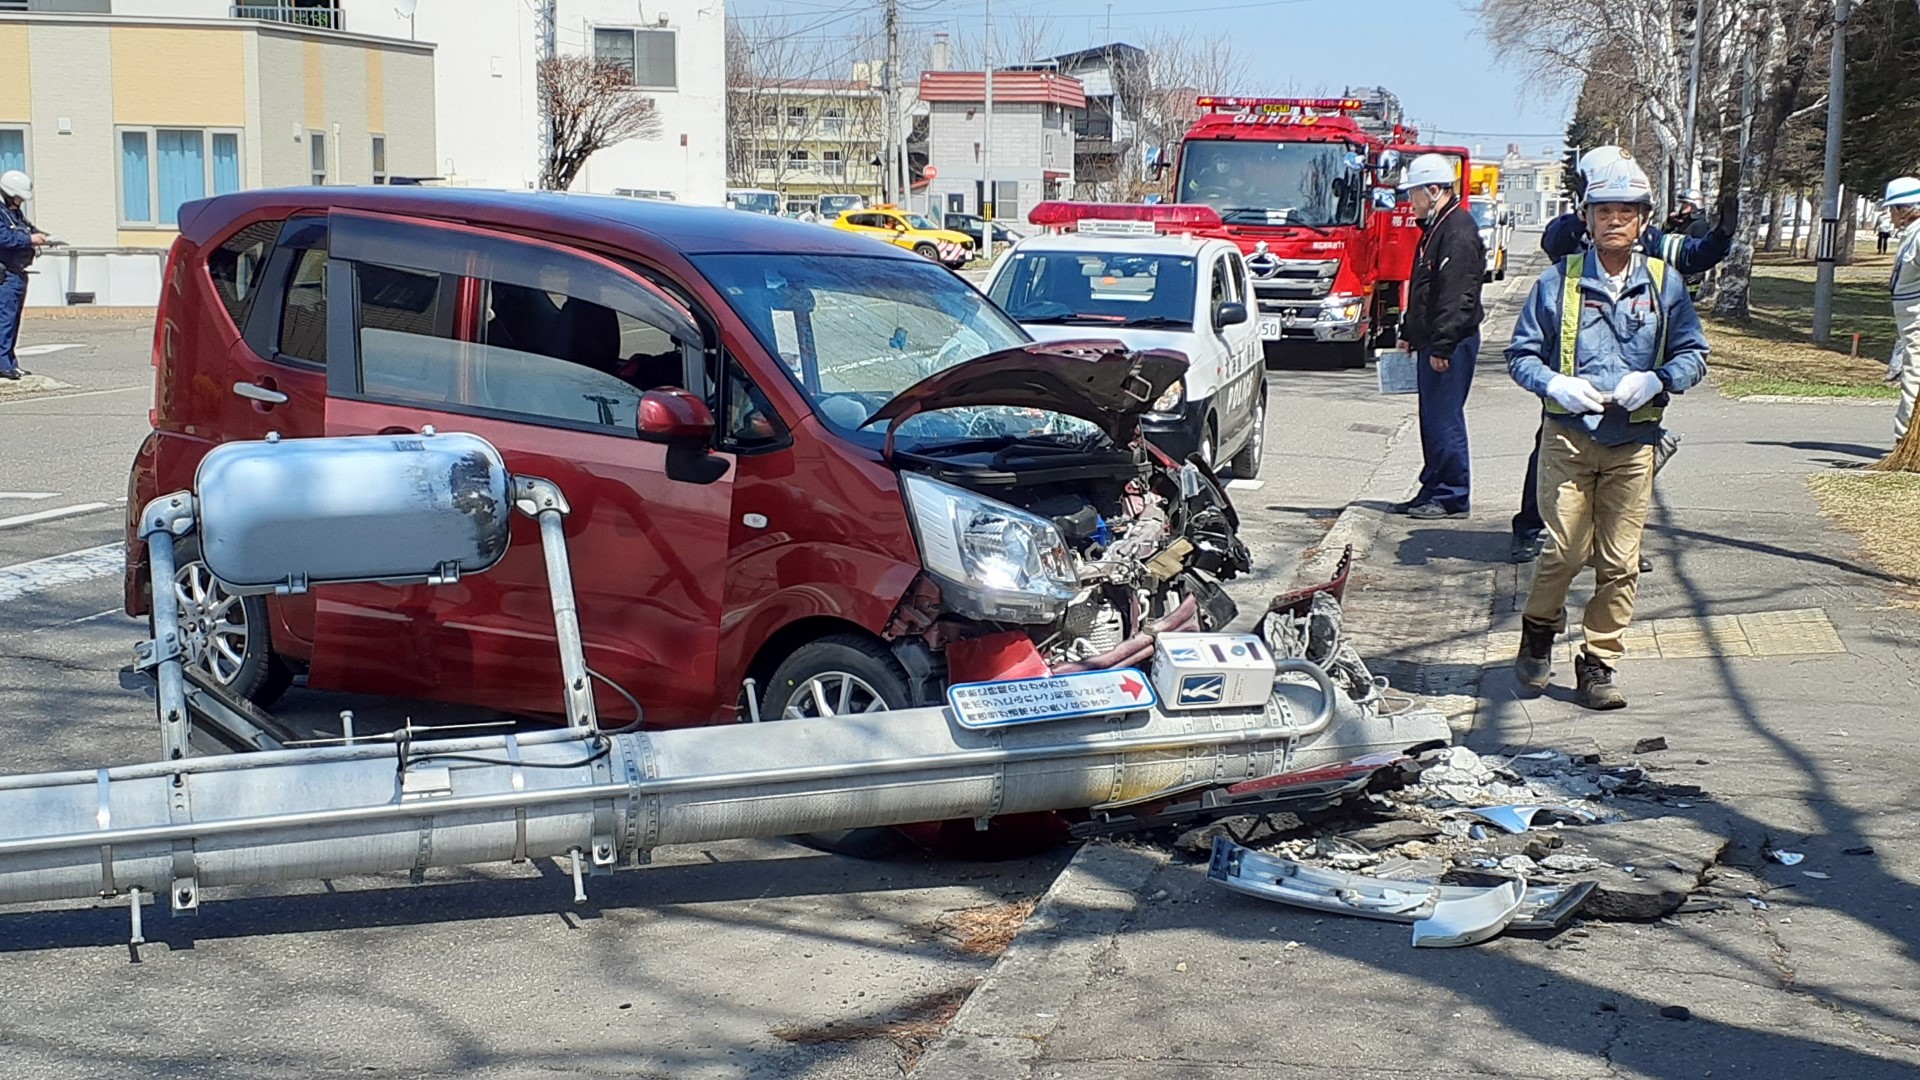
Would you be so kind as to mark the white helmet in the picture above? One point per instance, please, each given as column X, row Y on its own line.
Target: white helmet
column 1622, row 182
column 1901, row 191
column 1601, row 157
column 1429, row 169
column 16, row 184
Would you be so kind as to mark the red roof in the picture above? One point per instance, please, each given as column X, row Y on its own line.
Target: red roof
column 1031, row 87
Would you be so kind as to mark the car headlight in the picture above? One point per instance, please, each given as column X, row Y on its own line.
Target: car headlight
column 1342, row 309
column 993, row 562
column 1169, row 403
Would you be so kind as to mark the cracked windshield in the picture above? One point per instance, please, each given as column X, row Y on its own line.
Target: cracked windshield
column 1264, row 183
column 853, row 333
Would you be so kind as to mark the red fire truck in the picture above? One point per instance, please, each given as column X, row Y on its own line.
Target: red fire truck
column 1305, row 187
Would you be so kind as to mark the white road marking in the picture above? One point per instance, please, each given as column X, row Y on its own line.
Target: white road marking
column 1245, row 485
column 16, row 400
column 82, row 619
column 42, row 350
column 73, row 568
column 54, row 514
column 29, row 496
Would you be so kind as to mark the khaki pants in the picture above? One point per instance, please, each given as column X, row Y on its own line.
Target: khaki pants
column 1594, row 501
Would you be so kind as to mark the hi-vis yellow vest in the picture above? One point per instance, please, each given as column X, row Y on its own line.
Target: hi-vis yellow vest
column 1570, row 328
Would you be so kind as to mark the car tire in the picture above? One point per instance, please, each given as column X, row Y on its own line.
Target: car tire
column 1351, row 355
column 881, row 681
column 1209, row 448
column 212, row 631
column 1246, row 463
column 927, row 251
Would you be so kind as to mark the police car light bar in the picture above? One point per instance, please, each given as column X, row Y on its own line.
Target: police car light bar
column 1164, row 217
column 1281, row 105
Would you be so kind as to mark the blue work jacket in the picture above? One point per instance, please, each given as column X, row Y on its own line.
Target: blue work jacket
column 1646, row 329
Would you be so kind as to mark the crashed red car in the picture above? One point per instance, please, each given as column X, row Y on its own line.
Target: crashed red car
column 795, row 461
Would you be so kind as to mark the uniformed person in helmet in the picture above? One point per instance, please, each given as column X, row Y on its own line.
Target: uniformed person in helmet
column 1607, row 335
column 20, row 241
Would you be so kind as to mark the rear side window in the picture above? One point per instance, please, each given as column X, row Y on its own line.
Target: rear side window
column 236, row 265
column 303, row 318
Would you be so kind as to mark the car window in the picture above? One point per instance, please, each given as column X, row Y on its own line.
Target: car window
column 749, row 420
column 1097, row 288
column 541, row 354
column 303, row 318
column 236, row 265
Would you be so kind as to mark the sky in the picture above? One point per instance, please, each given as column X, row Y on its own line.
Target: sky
column 1429, row 53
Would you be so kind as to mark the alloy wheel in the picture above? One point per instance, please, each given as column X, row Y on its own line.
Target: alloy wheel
column 213, row 623
column 833, row 693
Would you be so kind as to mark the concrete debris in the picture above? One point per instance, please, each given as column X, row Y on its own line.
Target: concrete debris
column 1392, row 833
column 1648, row 746
column 1571, row 864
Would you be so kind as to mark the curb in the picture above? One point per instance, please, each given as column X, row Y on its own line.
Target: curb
column 1008, row 1018
column 1809, row 399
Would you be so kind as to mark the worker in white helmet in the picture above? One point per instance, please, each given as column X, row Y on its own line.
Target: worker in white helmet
column 1902, row 204
column 20, row 241
column 1441, row 326
column 1606, row 336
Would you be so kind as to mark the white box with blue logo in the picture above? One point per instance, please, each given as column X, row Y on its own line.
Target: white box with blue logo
column 1212, row 671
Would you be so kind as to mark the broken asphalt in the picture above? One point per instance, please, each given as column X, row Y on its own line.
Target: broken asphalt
column 1776, row 663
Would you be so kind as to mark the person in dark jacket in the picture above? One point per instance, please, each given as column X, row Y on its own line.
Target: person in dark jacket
column 1441, row 327
column 20, row 241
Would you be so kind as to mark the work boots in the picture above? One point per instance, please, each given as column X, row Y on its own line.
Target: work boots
column 1533, row 665
column 1594, row 684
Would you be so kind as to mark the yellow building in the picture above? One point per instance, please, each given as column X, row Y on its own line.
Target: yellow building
column 805, row 138
column 121, row 119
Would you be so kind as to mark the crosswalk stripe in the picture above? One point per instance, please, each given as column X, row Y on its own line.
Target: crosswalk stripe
column 72, row 568
column 52, row 515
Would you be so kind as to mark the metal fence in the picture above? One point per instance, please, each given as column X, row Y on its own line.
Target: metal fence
column 326, row 18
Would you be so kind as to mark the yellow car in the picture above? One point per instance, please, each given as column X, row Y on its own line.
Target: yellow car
column 910, row 231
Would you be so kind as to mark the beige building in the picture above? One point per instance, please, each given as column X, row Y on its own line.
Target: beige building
column 805, row 138
column 121, row 119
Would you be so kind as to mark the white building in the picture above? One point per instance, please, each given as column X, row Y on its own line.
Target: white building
column 486, row 107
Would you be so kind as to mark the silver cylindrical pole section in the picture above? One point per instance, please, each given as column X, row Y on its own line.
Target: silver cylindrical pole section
column 1830, row 182
column 542, row 500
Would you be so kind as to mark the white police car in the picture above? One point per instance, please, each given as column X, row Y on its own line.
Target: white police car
column 1125, row 273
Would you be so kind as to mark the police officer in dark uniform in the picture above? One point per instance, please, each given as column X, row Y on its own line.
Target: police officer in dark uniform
column 20, row 241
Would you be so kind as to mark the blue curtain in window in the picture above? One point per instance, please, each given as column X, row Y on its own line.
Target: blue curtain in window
column 183, row 171
column 226, row 164
column 13, row 150
column 136, row 194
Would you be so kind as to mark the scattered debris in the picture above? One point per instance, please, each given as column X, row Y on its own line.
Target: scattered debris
column 985, row 931
column 1816, row 875
column 1445, row 915
column 1677, row 1012
column 1863, row 849
column 1648, row 746
column 1785, row 858
column 1571, row 864
column 1758, row 904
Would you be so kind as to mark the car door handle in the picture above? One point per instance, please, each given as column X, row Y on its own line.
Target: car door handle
column 255, row 392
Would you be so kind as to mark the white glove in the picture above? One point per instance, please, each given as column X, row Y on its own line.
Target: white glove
column 1636, row 388
column 1574, row 394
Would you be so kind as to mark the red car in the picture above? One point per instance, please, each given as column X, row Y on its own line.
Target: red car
column 795, row 460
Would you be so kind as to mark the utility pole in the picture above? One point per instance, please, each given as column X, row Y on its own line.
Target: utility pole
column 987, row 198
column 1830, row 183
column 890, row 101
column 1690, row 164
column 543, row 50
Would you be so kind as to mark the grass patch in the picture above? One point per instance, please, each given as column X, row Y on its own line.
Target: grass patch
column 1772, row 354
column 1882, row 509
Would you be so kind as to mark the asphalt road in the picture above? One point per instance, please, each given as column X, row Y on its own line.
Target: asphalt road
column 740, row 959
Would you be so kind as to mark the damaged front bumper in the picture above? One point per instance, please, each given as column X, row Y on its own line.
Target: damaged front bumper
column 1444, row 915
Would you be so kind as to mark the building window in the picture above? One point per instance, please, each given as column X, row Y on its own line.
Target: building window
column 13, row 149
column 797, row 116
column 379, row 159
column 797, row 157
column 317, row 156
column 161, row 168
column 833, row 163
column 766, row 159
column 649, row 56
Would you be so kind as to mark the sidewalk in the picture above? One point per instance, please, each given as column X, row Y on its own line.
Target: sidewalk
column 1776, row 665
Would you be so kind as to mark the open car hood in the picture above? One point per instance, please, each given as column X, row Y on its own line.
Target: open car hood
column 1102, row 382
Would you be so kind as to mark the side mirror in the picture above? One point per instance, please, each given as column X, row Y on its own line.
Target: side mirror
column 1385, row 198
column 1229, row 313
column 685, row 424
column 1389, row 160
column 1354, row 162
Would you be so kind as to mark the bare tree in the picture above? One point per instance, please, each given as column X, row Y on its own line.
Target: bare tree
column 1181, row 66
column 788, row 97
column 591, row 105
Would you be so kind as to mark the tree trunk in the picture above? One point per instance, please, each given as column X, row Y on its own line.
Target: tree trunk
column 1849, row 227
column 1779, row 204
